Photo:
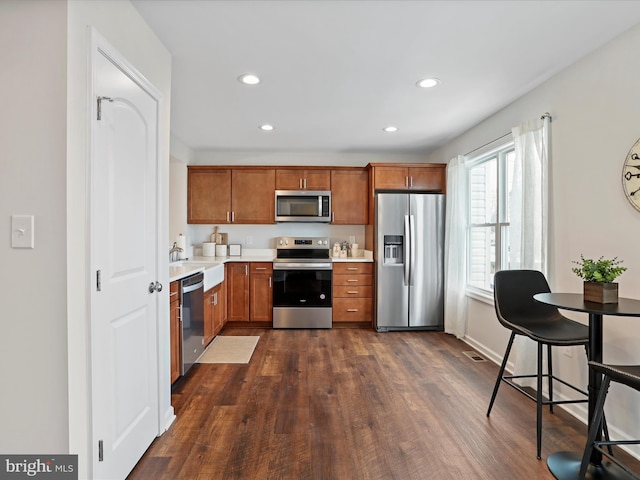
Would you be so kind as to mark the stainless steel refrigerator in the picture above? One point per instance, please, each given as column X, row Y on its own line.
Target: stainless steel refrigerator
column 409, row 236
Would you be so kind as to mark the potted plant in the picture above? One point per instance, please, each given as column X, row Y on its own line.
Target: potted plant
column 599, row 276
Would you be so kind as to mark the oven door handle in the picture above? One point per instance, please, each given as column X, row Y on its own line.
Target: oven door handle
column 302, row 266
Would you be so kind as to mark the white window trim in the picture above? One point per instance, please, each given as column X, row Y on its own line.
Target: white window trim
column 480, row 156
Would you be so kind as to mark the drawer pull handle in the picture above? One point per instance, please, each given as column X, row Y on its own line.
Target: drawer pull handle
column 261, row 268
column 172, row 294
column 354, row 292
column 354, row 269
column 352, row 309
column 352, row 280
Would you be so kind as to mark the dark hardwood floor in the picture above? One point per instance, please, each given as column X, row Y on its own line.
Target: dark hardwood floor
column 353, row 404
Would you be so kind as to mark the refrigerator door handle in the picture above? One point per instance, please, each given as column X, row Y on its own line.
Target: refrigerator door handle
column 405, row 252
column 412, row 247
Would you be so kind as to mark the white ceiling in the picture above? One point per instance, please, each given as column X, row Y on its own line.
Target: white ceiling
column 334, row 73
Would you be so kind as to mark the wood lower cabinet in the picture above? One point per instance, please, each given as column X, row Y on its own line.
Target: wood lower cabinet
column 352, row 292
column 260, row 292
column 349, row 196
column 303, row 179
column 238, row 291
column 249, row 292
column 215, row 311
column 174, row 323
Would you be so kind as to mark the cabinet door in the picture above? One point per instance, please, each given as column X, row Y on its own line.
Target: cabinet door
column 299, row 179
column 289, row 179
column 253, row 195
column 317, row 179
column 260, row 293
column 208, row 317
column 216, row 317
column 238, row 292
column 427, row 178
column 174, row 322
column 391, row 178
column 208, row 195
column 349, row 197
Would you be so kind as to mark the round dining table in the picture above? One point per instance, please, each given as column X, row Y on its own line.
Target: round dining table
column 566, row 465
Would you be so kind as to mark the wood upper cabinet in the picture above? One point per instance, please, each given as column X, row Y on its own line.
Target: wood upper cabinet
column 174, row 323
column 260, row 292
column 226, row 195
column 238, row 292
column 349, row 196
column 303, row 179
column 253, row 195
column 424, row 177
column 208, row 195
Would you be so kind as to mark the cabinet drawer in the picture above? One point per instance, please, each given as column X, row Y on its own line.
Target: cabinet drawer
column 352, row 279
column 352, row 309
column 261, row 267
column 357, row 268
column 345, row 291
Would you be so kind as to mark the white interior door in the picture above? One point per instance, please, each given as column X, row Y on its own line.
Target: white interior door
column 123, row 198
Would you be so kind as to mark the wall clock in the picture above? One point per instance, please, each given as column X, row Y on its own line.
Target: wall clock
column 631, row 176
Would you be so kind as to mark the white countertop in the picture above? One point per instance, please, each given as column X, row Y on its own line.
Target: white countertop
column 184, row 268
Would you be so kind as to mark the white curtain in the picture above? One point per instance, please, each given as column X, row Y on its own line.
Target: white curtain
column 455, row 257
column 529, row 218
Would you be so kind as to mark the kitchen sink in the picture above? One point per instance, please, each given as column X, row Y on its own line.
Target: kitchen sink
column 213, row 271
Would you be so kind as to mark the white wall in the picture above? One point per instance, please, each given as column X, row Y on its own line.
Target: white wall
column 122, row 26
column 33, row 326
column 181, row 156
column 323, row 159
column 595, row 106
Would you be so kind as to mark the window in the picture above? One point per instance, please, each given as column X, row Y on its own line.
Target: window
column 490, row 178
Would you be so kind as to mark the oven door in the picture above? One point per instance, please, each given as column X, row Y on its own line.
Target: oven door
column 302, row 284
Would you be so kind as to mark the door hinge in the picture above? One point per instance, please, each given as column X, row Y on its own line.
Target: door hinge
column 100, row 451
column 99, row 281
column 100, row 99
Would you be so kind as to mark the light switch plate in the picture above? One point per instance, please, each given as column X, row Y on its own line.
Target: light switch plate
column 22, row 235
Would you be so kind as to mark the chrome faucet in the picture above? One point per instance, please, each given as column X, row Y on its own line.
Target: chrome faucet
column 173, row 253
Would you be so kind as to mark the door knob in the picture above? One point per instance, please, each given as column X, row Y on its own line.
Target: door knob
column 155, row 287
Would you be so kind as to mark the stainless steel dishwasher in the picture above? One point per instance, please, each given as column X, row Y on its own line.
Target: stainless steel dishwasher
column 192, row 319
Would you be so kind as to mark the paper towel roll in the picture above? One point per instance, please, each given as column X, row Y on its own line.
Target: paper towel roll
column 182, row 243
column 208, row 249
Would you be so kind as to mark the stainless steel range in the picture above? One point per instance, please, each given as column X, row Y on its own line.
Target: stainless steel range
column 302, row 279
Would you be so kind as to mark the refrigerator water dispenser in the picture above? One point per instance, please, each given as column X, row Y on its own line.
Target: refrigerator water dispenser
column 393, row 248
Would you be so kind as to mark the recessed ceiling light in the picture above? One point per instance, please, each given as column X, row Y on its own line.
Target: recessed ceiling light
column 249, row 79
column 428, row 82
column 266, row 127
column 390, row 129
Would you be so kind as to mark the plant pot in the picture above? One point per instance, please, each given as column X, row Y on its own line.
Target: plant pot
column 601, row 292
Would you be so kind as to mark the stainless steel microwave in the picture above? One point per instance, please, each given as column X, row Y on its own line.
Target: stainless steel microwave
column 303, row 206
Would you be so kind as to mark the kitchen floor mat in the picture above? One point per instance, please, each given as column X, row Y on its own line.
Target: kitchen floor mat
column 230, row 349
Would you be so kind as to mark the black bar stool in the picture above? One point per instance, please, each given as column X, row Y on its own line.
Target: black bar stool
column 628, row 375
column 517, row 310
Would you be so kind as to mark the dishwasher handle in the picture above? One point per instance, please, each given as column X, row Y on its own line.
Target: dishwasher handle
column 191, row 288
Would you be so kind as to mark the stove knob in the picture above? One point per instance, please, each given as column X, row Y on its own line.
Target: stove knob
column 286, row 242
column 319, row 242
column 281, row 242
column 326, row 242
